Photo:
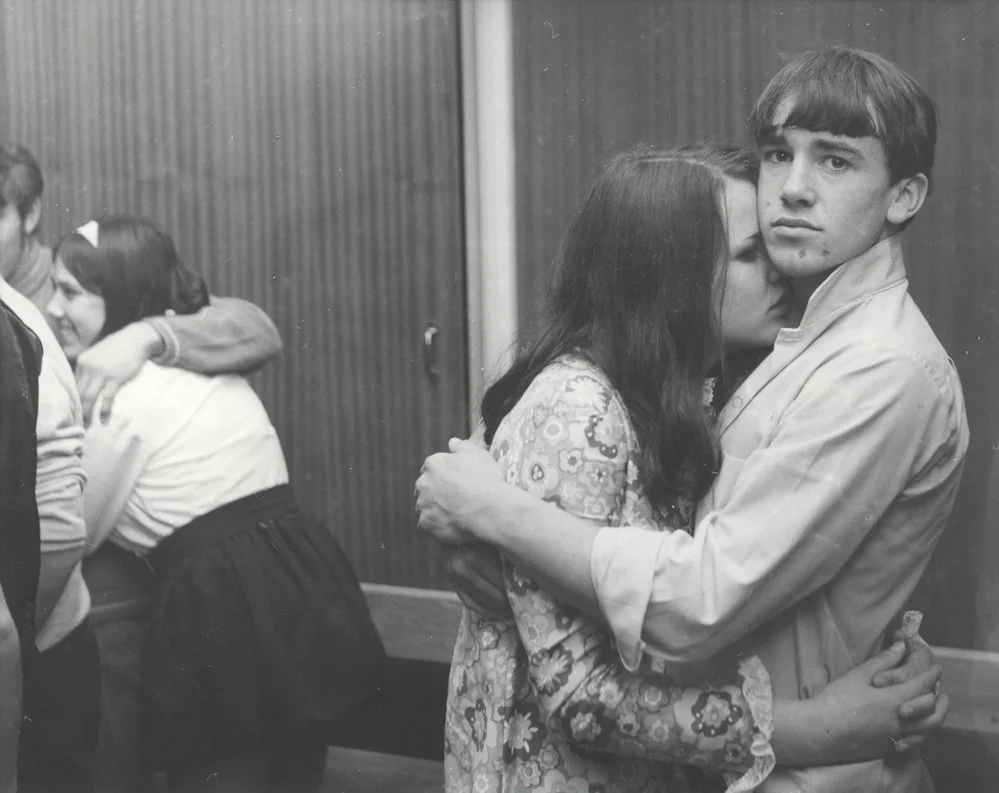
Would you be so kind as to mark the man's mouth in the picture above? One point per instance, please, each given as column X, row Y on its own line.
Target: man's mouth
column 794, row 223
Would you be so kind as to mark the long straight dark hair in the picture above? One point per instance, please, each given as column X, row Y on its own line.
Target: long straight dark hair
column 632, row 292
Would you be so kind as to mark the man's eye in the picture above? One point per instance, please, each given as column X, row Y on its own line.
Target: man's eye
column 776, row 155
column 838, row 163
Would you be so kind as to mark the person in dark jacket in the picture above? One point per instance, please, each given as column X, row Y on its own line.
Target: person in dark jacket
column 20, row 357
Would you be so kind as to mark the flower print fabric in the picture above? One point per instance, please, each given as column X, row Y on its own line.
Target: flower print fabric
column 542, row 701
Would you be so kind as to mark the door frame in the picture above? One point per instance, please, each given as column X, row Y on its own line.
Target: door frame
column 486, row 58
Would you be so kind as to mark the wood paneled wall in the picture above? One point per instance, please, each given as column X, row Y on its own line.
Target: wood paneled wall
column 305, row 154
column 596, row 76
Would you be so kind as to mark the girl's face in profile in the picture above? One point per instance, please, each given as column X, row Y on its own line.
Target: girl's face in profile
column 78, row 314
column 752, row 299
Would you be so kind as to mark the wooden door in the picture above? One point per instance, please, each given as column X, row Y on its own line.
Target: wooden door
column 306, row 155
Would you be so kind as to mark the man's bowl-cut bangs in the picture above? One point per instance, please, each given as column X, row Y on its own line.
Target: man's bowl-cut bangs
column 843, row 91
column 822, row 100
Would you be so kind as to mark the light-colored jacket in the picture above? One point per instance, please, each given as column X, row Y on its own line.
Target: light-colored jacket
column 842, row 455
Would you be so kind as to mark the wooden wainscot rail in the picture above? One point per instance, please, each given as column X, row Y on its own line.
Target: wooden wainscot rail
column 421, row 625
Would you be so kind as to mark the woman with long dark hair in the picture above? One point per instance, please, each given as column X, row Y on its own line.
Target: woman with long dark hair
column 259, row 634
column 607, row 411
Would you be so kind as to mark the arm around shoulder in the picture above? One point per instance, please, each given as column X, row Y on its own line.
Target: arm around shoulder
column 230, row 335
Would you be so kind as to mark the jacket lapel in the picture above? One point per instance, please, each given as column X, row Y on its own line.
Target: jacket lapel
column 790, row 344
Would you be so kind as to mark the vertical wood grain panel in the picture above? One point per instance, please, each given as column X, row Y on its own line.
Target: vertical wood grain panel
column 596, row 76
column 306, row 155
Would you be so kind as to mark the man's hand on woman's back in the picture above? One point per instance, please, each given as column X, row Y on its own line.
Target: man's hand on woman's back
column 452, row 487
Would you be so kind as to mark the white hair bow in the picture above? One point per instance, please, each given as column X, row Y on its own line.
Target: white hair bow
column 89, row 232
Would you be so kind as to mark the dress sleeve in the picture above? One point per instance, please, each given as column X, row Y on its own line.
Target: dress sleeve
column 228, row 336
column 573, row 445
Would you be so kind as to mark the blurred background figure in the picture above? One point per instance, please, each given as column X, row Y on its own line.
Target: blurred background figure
column 259, row 634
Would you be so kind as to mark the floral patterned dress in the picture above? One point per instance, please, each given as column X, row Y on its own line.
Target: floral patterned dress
column 543, row 701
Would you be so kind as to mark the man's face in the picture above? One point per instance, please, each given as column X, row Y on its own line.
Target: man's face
column 11, row 240
column 823, row 198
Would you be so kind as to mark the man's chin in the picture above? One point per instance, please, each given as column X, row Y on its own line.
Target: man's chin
column 801, row 264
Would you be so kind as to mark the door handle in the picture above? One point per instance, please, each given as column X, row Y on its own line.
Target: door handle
column 431, row 355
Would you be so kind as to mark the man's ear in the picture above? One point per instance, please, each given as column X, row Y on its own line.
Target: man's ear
column 908, row 196
column 33, row 218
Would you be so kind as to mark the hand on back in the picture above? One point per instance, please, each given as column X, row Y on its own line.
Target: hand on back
column 102, row 369
column 450, row 489
column 886, row 704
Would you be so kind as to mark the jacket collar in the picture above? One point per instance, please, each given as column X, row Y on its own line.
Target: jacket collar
column 877, row 269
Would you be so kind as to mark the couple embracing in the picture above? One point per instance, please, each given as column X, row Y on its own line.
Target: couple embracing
column 701, row 559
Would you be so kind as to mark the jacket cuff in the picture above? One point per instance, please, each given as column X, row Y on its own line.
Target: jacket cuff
column 171, row 344
column 622, row 566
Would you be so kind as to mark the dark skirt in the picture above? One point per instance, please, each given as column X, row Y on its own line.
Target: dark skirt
column 257, row 625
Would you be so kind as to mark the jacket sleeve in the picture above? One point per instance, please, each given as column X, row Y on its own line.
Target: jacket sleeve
column 801, row 505
column 228, row 336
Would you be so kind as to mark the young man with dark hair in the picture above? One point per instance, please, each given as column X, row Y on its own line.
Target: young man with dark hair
column 841, row 454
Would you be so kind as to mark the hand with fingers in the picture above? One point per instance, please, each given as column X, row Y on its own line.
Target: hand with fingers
column 919, row 715
column 102, row 369
column 449, row 489
column 867, row 719
column 476, row 572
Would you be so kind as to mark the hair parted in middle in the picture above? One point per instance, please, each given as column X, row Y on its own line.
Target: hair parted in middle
column 631, row 291
column 134, row 267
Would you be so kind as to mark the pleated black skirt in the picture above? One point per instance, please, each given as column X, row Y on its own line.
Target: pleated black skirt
column 257, row 624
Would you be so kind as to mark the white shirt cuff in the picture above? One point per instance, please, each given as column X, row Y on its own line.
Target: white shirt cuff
column 622, row 566
column 171, row 344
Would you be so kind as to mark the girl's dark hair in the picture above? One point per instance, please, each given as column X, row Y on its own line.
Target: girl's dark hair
column 631, row 291
column 134, row 267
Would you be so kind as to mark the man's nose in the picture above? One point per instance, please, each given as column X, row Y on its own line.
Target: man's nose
column 797, row 188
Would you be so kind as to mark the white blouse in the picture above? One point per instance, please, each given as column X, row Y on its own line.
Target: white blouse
column 178, row 445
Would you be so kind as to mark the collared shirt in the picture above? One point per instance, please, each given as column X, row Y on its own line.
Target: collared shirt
column 842, row 455
column 60, row 477
column 177, row 445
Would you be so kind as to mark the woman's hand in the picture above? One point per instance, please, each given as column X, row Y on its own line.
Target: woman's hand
column 874, row 720
column 852, row 720
column 104, row 368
